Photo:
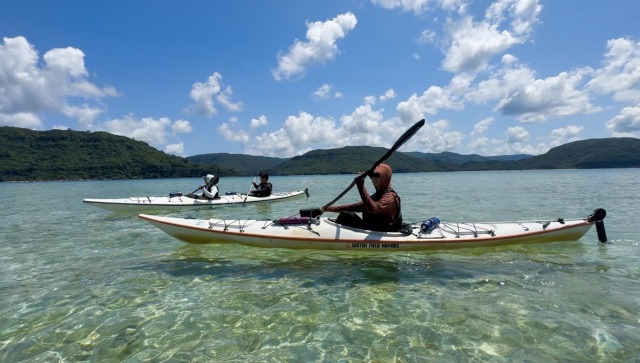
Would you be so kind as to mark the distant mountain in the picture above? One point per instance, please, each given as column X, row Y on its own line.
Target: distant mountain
column 349, row 160
column 621, row 152
column 70, row 155
column 448, row 160
column 239, row 163
column 59, row 155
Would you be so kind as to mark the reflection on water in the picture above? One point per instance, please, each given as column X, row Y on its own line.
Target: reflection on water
column 80, row 284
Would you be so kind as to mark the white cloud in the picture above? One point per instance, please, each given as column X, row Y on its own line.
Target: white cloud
column 154, row 131
column 428, row 37
column 472, row 45
column 564, row 135
column 181, row 126
column 620, row 72
column 517, row 135
column 31, row 89
column 233, row 133
column 21, row 119
column 482, row 126
column 211, row 93
column 416, row 6
column 389, row 95
column 175, row 149
column 430, row 102
column 259, row 122
column 434, row 136
column 324, row 92
column 298, row 135
column 320, row 46
column 626, row 123
column 521, row 95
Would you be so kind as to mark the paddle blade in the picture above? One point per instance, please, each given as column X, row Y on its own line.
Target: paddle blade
column 401, row 140
column 404, row 138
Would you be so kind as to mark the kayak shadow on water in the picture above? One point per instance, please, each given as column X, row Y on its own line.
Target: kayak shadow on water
column 311, row 268
column 469, row 268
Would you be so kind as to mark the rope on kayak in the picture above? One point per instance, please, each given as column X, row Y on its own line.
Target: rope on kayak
column 464, row 229
column 217, row 222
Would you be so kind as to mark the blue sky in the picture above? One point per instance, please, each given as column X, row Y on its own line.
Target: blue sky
column 280, row 78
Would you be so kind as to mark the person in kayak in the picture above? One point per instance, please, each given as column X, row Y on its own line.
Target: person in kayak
column 264, row 188
column 209, row 189
column 381, row 211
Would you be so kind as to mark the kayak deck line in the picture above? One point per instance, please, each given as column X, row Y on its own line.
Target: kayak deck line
column 325, row 234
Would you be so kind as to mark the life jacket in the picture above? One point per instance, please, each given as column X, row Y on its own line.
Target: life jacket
column 380, row 220
column 209, row 187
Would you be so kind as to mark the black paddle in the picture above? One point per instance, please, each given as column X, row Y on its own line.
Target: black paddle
column 404, row 138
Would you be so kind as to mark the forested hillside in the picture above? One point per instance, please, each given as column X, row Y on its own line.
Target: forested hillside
column 349, row 160
column 239, row 163
column 71, row 155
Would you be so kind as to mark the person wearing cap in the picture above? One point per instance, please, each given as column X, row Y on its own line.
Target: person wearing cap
column 381, row 211
column 209, row 189
column 264, row 188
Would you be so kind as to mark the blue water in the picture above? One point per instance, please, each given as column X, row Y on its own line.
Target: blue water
column 78, row 283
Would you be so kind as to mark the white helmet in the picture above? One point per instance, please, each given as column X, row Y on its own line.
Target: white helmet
column 208, row 178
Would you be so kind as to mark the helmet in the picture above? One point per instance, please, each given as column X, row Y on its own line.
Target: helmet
column 211, row 179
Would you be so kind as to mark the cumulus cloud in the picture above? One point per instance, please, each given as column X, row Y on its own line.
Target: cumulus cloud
column 259, row 122
column 620, row 72
column 564, row 135
column 435, row 136
column 207, row 95
column 517, row 135
column 181, row 126
column 298, row 135
column 415, row 6
column 175, row 149
column 520, row 94
column 388, row 95
column 431, row 101
column 626, row 123
column 231, row 133
column 154, row 131
column 472, row 45
column 58, row 85
column 320, row 46
column 325, row 92
column 21, row 119
column 482, row 126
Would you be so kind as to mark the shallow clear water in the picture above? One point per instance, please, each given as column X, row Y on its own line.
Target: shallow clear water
column 78, row 283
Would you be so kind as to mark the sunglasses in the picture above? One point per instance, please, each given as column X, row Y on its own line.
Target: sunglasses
column 375, row 175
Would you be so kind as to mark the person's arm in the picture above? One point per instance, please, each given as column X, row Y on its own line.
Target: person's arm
column 210, row 194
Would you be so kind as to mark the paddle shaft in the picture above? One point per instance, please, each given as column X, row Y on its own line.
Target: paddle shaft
column 250, row 185
column 404, row 138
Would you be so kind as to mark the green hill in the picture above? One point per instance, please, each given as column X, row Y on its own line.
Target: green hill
column 622, row 152
column 71, row 155
column 349, row 160
column 239, row 163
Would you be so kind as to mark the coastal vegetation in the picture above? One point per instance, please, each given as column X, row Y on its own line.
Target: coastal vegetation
column 27, row 155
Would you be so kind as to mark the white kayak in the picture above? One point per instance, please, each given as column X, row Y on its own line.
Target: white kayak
column 140, row 204
column 325, row 234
